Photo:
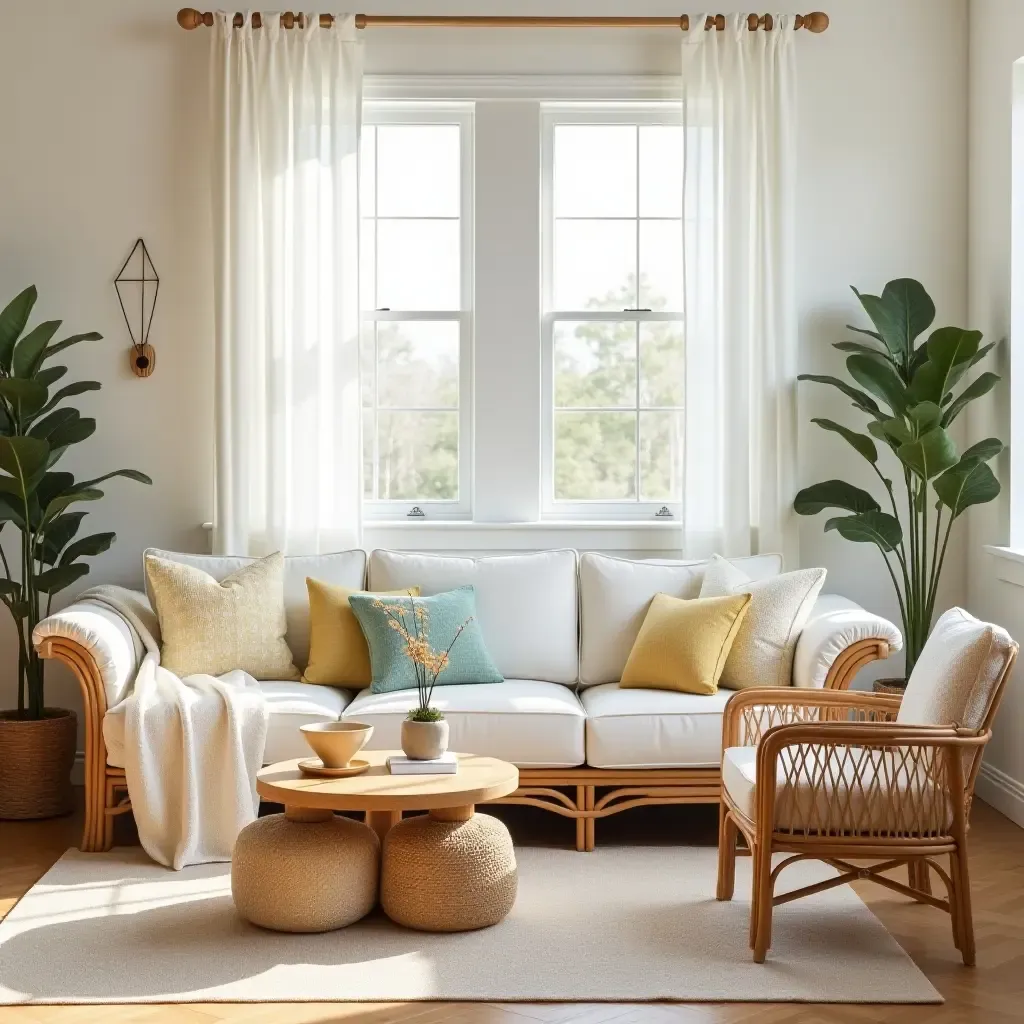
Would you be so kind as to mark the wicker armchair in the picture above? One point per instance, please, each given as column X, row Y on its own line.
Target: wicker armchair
column 839, row 775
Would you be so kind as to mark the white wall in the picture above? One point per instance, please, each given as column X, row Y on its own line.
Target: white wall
column 102, row 126
column 997, row 41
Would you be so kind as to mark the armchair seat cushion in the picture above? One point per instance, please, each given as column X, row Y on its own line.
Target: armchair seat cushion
column 852, row 790
column 291, row 704
column 532, row 723
column 629, row 728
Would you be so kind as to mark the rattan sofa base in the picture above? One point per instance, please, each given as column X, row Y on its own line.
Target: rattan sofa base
column 584, row 794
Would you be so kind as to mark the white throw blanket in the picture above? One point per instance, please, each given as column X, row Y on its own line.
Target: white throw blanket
column 192, row 748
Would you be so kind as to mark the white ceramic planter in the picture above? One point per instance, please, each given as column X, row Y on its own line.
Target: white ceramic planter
column 423, row 741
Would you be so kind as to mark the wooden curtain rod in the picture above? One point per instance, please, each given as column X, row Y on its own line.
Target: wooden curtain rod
column 190, row 18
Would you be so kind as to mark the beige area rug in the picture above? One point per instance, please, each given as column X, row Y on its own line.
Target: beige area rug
column 621, row 923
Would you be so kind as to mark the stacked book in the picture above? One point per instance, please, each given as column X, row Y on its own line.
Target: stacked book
column 446, row 764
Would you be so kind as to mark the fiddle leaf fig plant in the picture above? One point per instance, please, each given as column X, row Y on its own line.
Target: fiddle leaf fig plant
column 36, row 429
column 907, row 389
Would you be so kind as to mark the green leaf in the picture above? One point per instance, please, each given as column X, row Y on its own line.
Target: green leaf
column 58, row 535
column 833, row 494
column 10, row 588
column 72, row 432
column 968, row 483
column 11, row 510
column 28, row 354
column 893, row 431
column 53, row 485
column 26, row 396
column 23, row 458
column 982, row 386
column 94, row 544
column 982, row 352
column 45, row 427
column 50, row 375
column 58, row 504
column 12, row 322
column 859, row 399
column 950, row 350
column 864, row 445
column 131, row 474
column 869, row 528
column 881, row 379
column 67, row 342
column 49, row 581
column 930, row 454
column 983, row 450
column 79, row 387
column 864, row 350
column 861, row 330
column 902, row 312
column 924, row 416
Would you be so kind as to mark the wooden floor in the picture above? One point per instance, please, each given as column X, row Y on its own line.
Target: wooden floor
column 991, row 993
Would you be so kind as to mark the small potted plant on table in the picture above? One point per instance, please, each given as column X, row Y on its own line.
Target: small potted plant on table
column 425, row 730
column 37, row 743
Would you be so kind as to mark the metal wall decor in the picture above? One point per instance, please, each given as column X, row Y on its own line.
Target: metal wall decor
column 137, row 285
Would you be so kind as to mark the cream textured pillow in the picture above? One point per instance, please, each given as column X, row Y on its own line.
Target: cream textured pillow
column 212, row 627
column 762, row 654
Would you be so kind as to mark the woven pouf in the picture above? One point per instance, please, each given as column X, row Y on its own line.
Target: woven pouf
column 305, row 876
column 448, row 876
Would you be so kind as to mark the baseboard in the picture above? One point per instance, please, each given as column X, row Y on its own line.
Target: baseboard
column 1001, row 791
column 78, row 769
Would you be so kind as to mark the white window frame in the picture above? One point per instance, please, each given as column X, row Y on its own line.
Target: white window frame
column 553, row 114
column 432, row 112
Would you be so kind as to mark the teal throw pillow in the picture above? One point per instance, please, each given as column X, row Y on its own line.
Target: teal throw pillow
column 388, row 621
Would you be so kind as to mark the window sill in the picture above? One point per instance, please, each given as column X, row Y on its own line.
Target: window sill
column 1009, row 563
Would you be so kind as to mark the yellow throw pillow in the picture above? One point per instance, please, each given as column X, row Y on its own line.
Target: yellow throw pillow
column 682, row 645
column 338, row 654
column 213, row 627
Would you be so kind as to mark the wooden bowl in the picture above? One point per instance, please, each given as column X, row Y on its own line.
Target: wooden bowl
column 336, row 743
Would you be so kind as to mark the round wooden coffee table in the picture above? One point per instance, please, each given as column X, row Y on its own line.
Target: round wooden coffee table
column 449, row 870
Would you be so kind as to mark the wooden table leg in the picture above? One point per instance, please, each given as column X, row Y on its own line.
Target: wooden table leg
column 307, row 814
column 382, row 821
column 452, row 813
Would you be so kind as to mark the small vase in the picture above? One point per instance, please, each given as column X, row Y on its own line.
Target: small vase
column 423, row 741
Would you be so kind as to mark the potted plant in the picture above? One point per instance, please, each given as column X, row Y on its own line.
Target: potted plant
column 37, row 743
column 424, row 731
column 907, row 391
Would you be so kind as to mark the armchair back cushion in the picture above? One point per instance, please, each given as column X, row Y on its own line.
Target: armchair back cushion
column 525, row 604
column 615, row 594
column 342, row 568
column 958, row 674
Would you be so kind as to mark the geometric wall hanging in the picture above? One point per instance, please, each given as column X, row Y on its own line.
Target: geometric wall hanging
column 137, row 285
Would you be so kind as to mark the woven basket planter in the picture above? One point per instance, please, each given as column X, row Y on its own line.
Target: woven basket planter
column 35, row 764
column 896, row 687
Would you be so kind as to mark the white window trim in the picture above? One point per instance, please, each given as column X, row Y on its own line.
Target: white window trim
column 436, row 112
column 552, row 114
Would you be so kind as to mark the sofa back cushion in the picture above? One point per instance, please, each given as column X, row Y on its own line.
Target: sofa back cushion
column 526, row 604
column 342, row 568
column 615, row 594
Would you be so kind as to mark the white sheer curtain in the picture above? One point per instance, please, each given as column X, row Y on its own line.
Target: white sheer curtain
column 286, row 116
column 741, row 344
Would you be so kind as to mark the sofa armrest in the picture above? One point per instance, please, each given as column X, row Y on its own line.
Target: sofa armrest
column 839, row 639
column 101, row 647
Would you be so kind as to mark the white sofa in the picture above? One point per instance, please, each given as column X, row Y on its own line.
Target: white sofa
column 559, row 627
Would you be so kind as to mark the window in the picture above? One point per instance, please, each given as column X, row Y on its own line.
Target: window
column 612, row 331
column 416, row 262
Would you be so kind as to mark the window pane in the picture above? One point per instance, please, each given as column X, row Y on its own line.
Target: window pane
column 367, row 365
column 661, row 264
column 367, row 165
column 595, row 170
column 367, row 264
column 595, row 364
column 661, row 456
column 418, row 365
column 418, row 170
column 418, row 264
column 595, row 456
column 595, row 264
column 661, row 364
column 661, row 170
column 368, row 454
column 419, row 456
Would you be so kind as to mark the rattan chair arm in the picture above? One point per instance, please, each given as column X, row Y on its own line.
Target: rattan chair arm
column 774, row 696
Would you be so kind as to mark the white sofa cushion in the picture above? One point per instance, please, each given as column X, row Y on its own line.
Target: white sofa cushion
column 653, row 728
column 615, row 594
column 291, row 704
column 530, row 722
column 342, row 568
column 526, row 604
column 840, row 790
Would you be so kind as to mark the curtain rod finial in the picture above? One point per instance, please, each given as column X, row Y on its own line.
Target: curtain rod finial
column 816, row 22
column 189, row 18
